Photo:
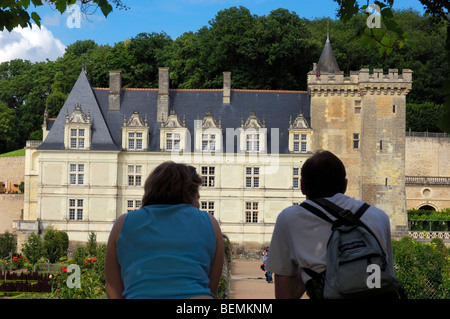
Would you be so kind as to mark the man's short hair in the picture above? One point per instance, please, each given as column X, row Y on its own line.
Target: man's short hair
column 323, row 175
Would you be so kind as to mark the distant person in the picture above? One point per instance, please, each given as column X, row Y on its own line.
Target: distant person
column 168, row 248
column 300, row 238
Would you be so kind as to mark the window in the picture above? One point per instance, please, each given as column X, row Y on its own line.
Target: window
column 75, row 209
column 251, row 212
column 303, row 143
column 76, row 176
column 173, row 141
column 208, row 206
column 134, row 175
column 393, row 108
column 133, row 204
column 208, row 142
column 77, row 138
column 252, row 177
column 300, row 143
column 357, row 107
column 356, row 140
column 135, row 141
column 252, row 142
column 295, row 178
column 208, row 176
column 296, row 143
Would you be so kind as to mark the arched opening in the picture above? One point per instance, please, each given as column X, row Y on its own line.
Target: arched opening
column 427, row 207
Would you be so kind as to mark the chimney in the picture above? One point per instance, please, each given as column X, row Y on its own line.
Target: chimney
column 115, row 84
column 163, row 95
column 226, row 87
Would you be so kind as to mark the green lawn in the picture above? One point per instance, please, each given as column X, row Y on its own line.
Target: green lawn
column 20, row 152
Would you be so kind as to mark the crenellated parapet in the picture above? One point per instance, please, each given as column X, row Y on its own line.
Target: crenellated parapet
column 360, row 83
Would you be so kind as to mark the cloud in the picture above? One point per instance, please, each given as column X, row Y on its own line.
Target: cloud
column 34, row 44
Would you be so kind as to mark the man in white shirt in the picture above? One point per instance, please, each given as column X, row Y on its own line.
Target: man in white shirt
column 300, row 238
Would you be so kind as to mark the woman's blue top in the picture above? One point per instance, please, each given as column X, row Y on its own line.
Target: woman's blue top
column 165, row 251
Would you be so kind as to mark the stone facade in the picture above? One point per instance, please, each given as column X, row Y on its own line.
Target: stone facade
column 361, row 118
column 128, row 132
column 428, row 172
column 11, row 173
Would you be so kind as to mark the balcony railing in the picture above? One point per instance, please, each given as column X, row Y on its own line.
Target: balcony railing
column 427, row 180
column 427, row 134
column 33, row 143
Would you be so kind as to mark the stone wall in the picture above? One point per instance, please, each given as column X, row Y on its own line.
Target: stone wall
column 428, row 156
column 12, row 170
column 11, row 206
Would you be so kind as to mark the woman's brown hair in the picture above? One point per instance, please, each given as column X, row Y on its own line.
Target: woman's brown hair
column 171, row 183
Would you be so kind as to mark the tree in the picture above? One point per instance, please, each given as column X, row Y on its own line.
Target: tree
column 392, row 35
column 7, row 244
column 55, row 244
column 9, row 136
column 16, row 12
column 92, row 244
column 32, row 248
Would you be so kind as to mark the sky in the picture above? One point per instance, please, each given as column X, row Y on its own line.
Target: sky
column 173, row 17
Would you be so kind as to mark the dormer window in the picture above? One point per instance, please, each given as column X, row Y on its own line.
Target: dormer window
column 77, row 132
column 252, row 142
column 173, row 141
column 299, row 135
column 208, row 134
column 135, row 133
column 253, row 135
column 208, row 142
column 173, row 134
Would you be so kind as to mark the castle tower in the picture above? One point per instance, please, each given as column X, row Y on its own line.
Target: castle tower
column 361, row 119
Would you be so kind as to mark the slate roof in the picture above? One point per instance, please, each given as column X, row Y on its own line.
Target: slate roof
column 276, row 106
column 327, row 62
column 83, row 94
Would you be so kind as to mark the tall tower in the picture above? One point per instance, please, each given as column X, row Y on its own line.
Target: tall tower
column 361, row 119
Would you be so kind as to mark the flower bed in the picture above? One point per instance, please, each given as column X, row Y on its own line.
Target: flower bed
column 25, row 282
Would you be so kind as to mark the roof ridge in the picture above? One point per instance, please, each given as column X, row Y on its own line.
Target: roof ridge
column 207, row 90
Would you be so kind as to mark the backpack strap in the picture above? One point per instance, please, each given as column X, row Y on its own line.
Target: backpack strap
column 317, row 212
column 343, row 214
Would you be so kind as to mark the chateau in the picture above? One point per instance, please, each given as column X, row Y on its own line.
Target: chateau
column 248, row 146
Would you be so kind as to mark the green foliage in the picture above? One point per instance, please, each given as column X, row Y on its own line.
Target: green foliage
column 80, row 255
column 16, row 12
column 20, row 152
column 263, row 52
column 423, row 117
column 55, row 244
column 33, row 248
column 92, row 276
column 7, row 244
column 422, row 214
column 92, row 244
column 423, row 269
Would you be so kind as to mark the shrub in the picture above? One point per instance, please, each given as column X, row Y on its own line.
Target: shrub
column 92, row 276
column 7, row 244
column 55, row 244
column 32, row 248
column 422, row 268
column 92, row 244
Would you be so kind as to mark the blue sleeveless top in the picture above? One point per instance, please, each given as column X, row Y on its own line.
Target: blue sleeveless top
column 165, row 251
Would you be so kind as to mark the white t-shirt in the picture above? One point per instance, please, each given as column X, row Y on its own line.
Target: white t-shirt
column 300, row 238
